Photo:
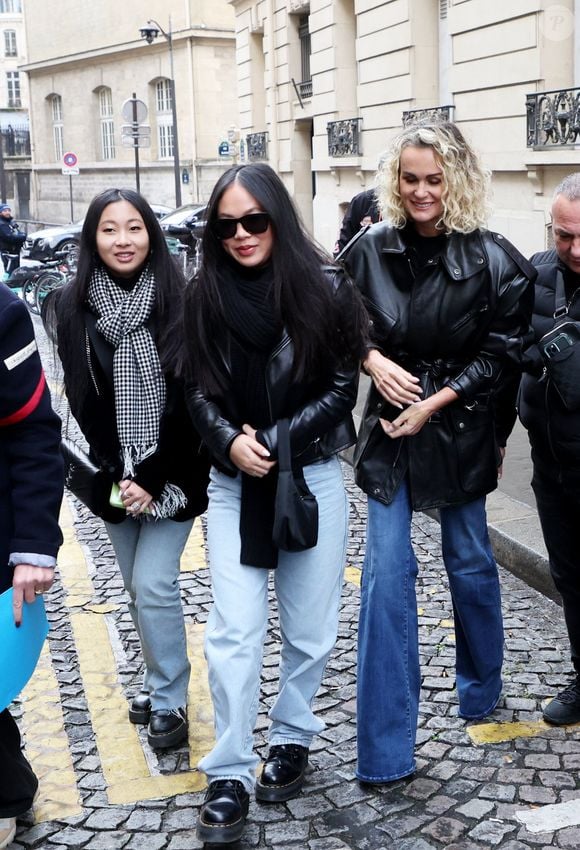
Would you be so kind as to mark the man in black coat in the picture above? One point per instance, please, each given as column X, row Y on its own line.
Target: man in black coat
column 554, row 433
column 11, row 239
column 31, row 486
column 363, row 209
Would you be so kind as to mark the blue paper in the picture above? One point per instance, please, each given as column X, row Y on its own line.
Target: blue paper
column 19, row 647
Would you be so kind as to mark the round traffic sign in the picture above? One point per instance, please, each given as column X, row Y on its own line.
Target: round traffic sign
column 70, row 159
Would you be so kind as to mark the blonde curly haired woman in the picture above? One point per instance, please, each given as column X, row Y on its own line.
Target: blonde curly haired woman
column 450, row 304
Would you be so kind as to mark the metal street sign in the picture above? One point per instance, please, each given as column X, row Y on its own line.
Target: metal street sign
column 224, row 149
column 71, row 170
column 136, row 129
column 135, row 141
column 70, row 159
column 134, row 110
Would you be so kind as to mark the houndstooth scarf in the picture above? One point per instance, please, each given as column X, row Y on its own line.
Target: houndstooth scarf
column 138, row 380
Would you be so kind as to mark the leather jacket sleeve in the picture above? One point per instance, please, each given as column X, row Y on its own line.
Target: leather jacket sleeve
column 217, row 432
column 508, row 334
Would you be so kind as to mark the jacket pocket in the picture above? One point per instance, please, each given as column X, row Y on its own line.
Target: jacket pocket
column 474, row 437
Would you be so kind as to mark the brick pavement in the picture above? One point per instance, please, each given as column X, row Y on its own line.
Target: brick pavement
column 115, row 792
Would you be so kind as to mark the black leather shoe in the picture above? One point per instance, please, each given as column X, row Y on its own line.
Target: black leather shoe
column 167, row 728
column 283, row 773
column 564, row 708
column 140, row 709
column 223, row 813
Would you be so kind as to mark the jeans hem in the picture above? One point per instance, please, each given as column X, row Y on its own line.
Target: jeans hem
column 380, row 780
column 249, row 786
column 278, row 741
column 480, row 715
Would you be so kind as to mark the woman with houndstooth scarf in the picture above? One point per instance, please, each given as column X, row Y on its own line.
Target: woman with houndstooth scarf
column 116, row 329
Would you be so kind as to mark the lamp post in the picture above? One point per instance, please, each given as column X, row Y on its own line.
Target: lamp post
column 149, row 32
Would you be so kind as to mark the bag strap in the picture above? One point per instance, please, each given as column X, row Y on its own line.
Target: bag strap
column 284, row 455
column 561, row 305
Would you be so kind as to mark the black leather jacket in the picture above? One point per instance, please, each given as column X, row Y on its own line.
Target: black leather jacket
column 319, row 409
column 553, row 430
column 461, row 321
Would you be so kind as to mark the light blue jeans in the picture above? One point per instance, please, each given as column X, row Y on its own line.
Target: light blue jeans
column 389, row 678
column 148, row 552
column 307, row 586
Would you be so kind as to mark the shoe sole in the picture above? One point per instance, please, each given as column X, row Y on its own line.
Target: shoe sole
column 168, row 739
column 278, row 793
column 217, row 834
column 553, row 722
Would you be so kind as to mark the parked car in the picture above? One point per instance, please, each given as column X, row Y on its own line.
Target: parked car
column 186, row 222
column 42, row 244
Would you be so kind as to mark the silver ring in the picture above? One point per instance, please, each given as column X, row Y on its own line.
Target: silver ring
column 38, row 592
column 135, row 506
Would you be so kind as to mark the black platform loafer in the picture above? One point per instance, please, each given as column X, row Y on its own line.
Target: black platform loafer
column 140, row 709
column 223, row 813
column 283, row 773
column 167, row 728
column 565, row 707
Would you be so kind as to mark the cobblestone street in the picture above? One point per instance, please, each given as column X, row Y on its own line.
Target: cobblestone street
column 102, row 787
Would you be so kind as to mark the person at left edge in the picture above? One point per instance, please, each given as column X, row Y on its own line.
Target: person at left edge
column 274, row 332
column 11, row 239
column 116, row 326
column 31, row 485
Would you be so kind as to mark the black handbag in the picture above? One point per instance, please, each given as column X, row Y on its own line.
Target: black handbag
column 560, row 351
column 88, row 482
column 296, row 511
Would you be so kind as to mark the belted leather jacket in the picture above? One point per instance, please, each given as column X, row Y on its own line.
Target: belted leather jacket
column 318, row 408
column 460, row 320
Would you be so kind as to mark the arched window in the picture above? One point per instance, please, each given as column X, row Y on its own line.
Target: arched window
column 107, row 125
column 55, row 102
column 164, row 118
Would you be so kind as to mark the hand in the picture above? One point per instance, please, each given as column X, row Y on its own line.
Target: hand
column 27, row 583
column 410, row 421
column 249, row 455
column 393, row 382
column 135, row 499
column 500, row 467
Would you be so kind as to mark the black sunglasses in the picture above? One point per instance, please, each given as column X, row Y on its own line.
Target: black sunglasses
column 225, row 228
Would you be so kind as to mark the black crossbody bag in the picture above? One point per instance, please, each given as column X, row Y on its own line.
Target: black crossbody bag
column 296, row 514
column 560, row 350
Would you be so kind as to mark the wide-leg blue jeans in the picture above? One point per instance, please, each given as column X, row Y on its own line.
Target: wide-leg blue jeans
column 307, row 586
column 389, row 677
column 148, row 552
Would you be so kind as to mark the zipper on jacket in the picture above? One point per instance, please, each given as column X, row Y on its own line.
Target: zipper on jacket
column 90, row 362
column 548, row 430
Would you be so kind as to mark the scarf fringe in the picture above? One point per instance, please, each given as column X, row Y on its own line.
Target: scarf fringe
column 172, row 500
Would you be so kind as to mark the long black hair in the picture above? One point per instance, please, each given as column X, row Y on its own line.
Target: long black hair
column 302, row 298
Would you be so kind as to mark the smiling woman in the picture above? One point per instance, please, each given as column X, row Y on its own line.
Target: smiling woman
column 450, row 304
column 116, row 327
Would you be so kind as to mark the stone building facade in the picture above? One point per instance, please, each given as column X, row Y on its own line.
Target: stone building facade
column 325, row 84
column 86, row 58
column 14, row 125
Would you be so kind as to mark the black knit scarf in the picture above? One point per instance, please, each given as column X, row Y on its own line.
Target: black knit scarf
column 248, row 299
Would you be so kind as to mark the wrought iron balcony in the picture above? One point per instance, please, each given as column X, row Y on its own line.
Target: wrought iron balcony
column 257, row 146
column 553, row 118
column 305, row 89
column 427, row 116
column 344, row 137
column 15, row 141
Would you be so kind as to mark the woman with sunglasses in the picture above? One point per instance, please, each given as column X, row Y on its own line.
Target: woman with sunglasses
column 117, row 327
column 273, row 332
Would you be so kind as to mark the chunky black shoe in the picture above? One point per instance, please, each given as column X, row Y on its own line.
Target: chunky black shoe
column 223, row 813
column 167, row 728
column 140, row 709
column 564, row 708
column 283, row 773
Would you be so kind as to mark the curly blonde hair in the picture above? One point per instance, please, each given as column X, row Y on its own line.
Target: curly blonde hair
column 465, row 181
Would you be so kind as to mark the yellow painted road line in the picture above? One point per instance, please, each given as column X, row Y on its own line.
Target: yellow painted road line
column 352, row 575
column 495, row 733
column 193, row 557
column 47, row 745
